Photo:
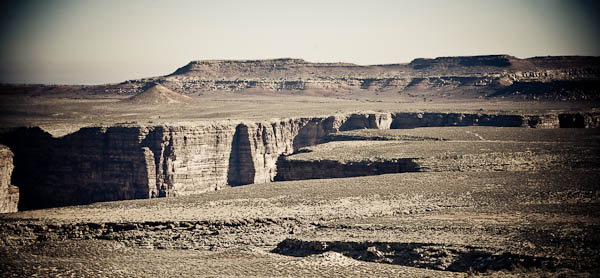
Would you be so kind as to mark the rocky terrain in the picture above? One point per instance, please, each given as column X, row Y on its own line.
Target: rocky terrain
column 453, row 166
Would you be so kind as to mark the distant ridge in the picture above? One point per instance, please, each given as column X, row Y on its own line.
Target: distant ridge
column 465, row 61
column 296, row 69
column 158, row 94
column 482, row 76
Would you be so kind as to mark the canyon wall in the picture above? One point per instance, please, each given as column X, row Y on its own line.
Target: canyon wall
column 118, row 163
column 257, row 146
column 131, row 161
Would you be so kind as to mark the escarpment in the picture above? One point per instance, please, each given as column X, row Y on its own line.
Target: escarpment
column 258, row 146
column 117, row 163
column 490, row 76
column 133, row 161
column 565, row 78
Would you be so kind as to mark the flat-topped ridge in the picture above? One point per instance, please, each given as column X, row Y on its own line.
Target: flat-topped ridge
column 300, row 67
column 571, row 78
column 465, row 61
column 242, row 65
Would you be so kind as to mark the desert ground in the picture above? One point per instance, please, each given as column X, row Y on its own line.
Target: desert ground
column 444, row 199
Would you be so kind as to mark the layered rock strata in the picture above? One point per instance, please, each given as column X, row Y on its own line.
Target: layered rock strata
column 556, row 78
column 490, row 76
column 9, row 194
column 131, row 161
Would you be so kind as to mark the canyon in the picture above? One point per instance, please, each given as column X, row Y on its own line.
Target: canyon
column 132, row 161
column 452, row 166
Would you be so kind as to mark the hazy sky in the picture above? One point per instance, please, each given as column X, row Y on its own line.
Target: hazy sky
column 92, row 42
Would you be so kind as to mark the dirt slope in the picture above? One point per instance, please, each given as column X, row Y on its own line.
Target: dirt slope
column 158, row 94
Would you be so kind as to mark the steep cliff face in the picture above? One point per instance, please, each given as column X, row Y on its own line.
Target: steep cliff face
column 118, row 163
column 130, row 162
column 191, row 159
column 93, row 164
column 9, row 194
column 258, row 146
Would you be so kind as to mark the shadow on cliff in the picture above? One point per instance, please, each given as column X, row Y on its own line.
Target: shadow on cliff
column 241, row 165
column 33, row 157
column 90, row 165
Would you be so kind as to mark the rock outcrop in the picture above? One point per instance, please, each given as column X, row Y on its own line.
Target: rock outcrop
column 9, row 194
column 132, row 161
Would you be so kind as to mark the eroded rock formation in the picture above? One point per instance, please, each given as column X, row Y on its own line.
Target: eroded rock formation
column 9, row 194
column 132, row 161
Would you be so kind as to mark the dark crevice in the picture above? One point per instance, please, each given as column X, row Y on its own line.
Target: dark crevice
column 153, row 141
column 241, row 166
column 33, row 158
column 421, row 255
